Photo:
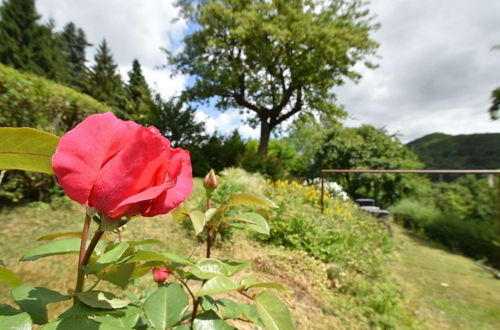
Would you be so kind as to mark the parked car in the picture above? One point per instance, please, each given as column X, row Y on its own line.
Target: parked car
column 383, row 216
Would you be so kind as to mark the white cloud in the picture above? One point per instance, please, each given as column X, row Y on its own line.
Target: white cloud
column 225, row 123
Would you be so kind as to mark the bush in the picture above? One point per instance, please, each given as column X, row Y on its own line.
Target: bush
column 414, row 214
column 27, row 100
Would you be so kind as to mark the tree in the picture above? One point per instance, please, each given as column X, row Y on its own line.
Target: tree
column 74, row 43
column 495, row 104
column 105, row 83
column 326, row 144
column 139, row 100
column 176, row 122
column 273, row 58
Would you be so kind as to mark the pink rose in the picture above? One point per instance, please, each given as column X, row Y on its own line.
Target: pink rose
column 122, row 168
column 161, row 274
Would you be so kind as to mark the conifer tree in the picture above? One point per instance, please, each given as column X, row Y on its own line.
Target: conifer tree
column 139, row 101
column 74, row 44
column 105, row 83
column 18, row 32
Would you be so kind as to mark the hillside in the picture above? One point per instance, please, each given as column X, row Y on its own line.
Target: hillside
column 474, row 151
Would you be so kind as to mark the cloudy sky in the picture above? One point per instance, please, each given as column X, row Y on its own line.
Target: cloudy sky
column 436, row 65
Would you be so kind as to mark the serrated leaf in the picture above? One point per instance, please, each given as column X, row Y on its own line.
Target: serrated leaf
column 127, row 320
column 9, row 278
column 177, row 259
column 234, row 267
column 249, row 312
column 58, row 235
column 253, row 221
column 230, row 308
column 166, row 306
column 56, row 248
column 198, row 219
column 273, row 312
column 250, row 283
column 79, row 309
column 120, row 275
column 218, row 284
column 114, row 254
column 14, row 319
column 79, row 323
column 210, row 213
column 143, row 255
column 102, row 299
column 250, row 200
column 210, row 321
column 208, row 268
column 27, row 149
column 34, row 300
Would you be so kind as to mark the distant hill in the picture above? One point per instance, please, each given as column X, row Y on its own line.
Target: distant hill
column 474, row 151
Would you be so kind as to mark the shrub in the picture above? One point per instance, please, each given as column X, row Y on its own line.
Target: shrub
column 27, row 100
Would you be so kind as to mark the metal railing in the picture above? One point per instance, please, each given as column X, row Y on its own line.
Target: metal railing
column 324, row 171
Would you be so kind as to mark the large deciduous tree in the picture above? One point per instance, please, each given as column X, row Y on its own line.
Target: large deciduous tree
column 273, row 58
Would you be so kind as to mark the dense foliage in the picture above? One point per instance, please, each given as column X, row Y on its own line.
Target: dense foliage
column 462, row 215
column 473, row 151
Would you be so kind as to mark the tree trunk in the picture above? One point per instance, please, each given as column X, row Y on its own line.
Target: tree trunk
column 265, row 134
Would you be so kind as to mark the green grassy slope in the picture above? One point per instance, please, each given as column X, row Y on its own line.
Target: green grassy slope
column 444, row 290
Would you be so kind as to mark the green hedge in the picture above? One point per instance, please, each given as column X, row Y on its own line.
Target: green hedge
column 27, row 100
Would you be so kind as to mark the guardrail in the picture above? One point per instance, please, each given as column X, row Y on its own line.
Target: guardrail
column 323, row 171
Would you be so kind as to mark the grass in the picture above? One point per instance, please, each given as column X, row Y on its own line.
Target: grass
column 444, row 290
column 321, row 295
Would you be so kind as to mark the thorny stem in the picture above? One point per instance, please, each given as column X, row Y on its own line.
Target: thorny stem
column 80, row 275
column 85, row 260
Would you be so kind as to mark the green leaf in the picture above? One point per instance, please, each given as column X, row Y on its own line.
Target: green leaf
column 230, row 308
column 13, row 319
column 234, row 267
column 143, row 255
column 114, row 254
column 250, row 200
column 249, row 311
column 146, row 242
column 251, row 283
column 80, row 310
column 208, row 268
column 181, row 327
column 273, row 312
column 207, row 303
column 34, row 300
column 218, row 284
column 166, row 306
column 177, row 259
column 198, row 219
column 27, row 149
column 65, row 234
column 79, row 323
column 101, row 299
column 120, row 275
column 209, row 214
column 127, row 320
column 253, row 221
column 55, row 248
column 210, row 321
column 9, row 277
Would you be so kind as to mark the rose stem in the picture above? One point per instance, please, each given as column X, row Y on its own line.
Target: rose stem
column 85, row 235
column 209, row 247
column 80, row 281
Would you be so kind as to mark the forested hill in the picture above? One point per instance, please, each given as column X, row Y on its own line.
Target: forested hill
column 474, row 151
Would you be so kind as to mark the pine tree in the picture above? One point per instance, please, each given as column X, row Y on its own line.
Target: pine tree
column 105, row 83
column 18, row 32
column 139, row 100
column 74, row 44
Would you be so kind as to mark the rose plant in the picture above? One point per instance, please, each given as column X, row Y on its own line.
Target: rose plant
column 119, row 169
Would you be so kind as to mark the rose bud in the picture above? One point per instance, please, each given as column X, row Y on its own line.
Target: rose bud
column 121, row 168
column 161, row 274
column 211, row 180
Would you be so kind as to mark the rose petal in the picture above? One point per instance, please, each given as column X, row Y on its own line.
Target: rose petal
column 82, row 152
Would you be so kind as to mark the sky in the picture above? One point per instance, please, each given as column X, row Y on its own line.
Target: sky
column 436, row 67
